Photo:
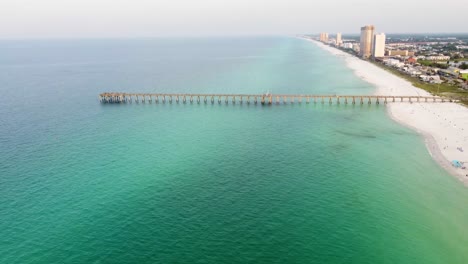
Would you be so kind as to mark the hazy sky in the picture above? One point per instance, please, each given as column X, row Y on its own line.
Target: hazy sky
column 153, row 18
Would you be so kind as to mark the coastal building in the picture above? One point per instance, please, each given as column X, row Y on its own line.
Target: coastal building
column 404, row 53
column 348, row 45
column 412, row 60
column 367, row 39
column 431, row 78
column 438, row 58
column 378, row 49
column 356, row 48
column 413, row 72
column 394, row 63
column 339, row 41
column 324, row 37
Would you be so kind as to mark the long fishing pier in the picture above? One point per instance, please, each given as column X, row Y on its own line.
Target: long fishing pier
column 112, row 98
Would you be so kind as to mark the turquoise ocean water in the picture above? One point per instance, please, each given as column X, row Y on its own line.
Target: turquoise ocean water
column 82, row 182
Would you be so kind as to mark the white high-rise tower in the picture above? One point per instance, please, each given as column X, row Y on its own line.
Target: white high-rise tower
column 378, row 49
column 339, row 41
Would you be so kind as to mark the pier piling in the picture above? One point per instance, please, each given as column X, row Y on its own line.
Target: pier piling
column 111, row 98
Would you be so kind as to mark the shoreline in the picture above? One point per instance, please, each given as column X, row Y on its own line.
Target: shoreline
column 444, row 126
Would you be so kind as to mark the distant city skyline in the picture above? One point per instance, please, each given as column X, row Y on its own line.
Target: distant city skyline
column 146, row 18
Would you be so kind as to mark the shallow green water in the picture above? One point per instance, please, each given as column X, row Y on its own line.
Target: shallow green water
column 150, row 183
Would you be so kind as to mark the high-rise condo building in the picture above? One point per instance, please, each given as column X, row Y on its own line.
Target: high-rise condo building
column 378, row 49
column 367, row 39
column 339, row 41
column 324, row 37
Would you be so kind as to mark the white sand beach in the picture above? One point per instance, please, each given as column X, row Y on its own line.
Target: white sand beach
column 443, row 125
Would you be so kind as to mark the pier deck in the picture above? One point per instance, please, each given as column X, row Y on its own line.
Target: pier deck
column 263, row 98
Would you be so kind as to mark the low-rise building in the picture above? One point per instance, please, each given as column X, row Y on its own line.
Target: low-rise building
column 348, row 45
column 412, row 60
column 356, row 47
column 413, row 72
column 394, row 63
column 430, row 78
column 438, row 58
column 404, row 53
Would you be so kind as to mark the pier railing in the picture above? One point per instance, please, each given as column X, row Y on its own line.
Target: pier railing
column 262, row 98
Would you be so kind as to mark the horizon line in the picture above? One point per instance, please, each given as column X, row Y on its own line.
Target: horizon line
column 213, row 36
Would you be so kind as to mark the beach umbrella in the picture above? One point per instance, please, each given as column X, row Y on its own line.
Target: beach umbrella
column 456, row 163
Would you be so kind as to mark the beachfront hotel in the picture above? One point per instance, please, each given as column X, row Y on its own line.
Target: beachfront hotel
column 339, row 41
column 324, row 37
column 378, row 49
column 367, row 37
